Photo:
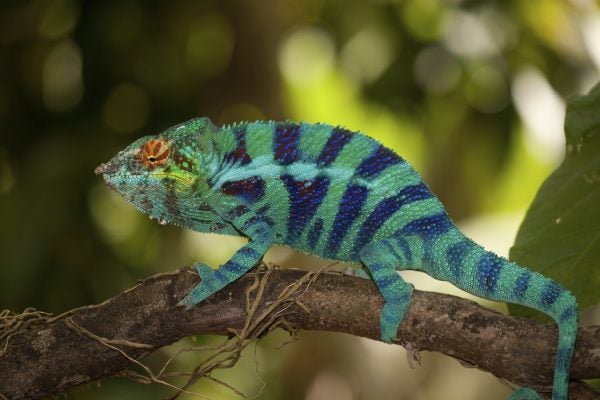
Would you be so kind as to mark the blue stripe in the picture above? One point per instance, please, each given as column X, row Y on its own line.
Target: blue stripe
column 305, row 198
column 252, row 222
column 563, row 358
column 385, row 209
column 376, row 268
column 568, row 315
column 413, row 193
column 250, row 189
column 428, row 227
column 488, row 272
column 550, row 293
column 405, row 248
column 315, row 233
column 379, row 160
column 234, row 267
column 383, row 281
column 522, row 284
column 338, row 139
column 239, row 155
column 456, row 255
column 350, row 206
column 249, row 252
column 285, row 143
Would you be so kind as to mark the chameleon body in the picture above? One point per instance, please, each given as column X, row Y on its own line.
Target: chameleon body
column 326, row 191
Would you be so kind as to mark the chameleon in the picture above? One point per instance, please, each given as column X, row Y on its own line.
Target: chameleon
column 330, row 192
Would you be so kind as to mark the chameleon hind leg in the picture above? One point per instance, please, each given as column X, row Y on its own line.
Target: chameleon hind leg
column 383, row 258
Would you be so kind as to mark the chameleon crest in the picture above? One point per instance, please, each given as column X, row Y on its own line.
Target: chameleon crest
column 326, row 191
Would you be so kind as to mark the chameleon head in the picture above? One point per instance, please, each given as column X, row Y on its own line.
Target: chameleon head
column 158, row 174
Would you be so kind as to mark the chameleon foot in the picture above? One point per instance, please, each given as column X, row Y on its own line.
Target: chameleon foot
column 202, row 290
column 524, row 394
column 390, row 318
column 393, row 311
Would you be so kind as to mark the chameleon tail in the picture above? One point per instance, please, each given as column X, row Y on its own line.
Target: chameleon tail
column 488, row 275
column 554, row 300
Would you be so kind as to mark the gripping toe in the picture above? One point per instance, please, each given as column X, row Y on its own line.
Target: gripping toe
column 202, row 290
column 524, row 394
column 204, row 271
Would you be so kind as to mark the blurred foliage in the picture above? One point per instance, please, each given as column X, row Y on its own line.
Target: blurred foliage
column 471, row 92
column 560, row 236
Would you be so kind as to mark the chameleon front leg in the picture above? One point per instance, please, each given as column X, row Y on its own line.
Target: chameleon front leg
column 261, row 238
column 383, row 258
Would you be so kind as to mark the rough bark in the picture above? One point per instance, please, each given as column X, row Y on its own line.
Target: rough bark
column 517, row 350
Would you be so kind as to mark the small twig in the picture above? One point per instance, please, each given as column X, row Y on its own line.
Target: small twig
column 107, row 342
column 11, row 324
column 228, row 386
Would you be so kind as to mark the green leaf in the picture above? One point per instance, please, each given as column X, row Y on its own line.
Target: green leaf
column 560, row 236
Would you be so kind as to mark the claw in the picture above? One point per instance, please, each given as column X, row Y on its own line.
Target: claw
column 185, row 302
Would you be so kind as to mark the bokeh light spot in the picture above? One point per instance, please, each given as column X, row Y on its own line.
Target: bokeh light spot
column 424, row 19
column 202, row 247
column 116, row 219
column 487, row 89
column 209, row 45
column 367, row 54
column 543, row 112
column 590, row 30
column 62, row 83
column 123, row 227
column 467, row 35
column 329, row 385
column 306, row 55
column 59, row 19
column 436, row 70
column 127, row 107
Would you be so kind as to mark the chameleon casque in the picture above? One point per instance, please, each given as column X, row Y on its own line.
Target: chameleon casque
column 326, row 191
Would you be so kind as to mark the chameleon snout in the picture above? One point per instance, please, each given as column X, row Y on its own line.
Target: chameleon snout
column 105, row 168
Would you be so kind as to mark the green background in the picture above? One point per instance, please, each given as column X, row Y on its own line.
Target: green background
column 471, row 92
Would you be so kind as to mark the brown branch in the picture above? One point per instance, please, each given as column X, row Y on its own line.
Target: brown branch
column 50, row 357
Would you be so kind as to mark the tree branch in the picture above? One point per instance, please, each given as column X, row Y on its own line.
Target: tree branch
column 517, row 350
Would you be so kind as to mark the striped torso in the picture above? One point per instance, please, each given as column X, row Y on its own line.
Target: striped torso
column 324, row 190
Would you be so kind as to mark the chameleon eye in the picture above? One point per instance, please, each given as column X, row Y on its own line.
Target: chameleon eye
column 155, row 152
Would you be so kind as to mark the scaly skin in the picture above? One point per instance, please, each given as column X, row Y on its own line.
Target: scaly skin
column 326, row 191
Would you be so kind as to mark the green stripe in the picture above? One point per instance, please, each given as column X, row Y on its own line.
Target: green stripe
column 312, row 139
column 409, row 213
column 355, row 151
column 277, row 200
column 440, row 267
column 259, row 139
column 226, row 141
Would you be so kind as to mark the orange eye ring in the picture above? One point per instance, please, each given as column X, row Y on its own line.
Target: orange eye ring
column 155, row 152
